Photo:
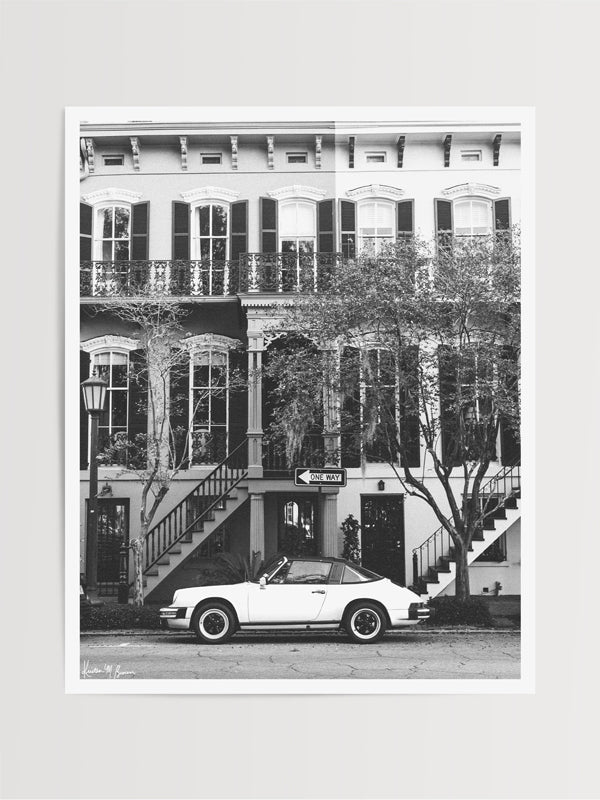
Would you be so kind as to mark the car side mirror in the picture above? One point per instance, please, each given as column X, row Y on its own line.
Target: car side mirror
column 263, row 582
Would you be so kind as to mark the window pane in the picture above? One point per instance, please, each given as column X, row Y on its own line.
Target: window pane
column 308, row 572
column 218, row 249
column 306, row 246
column 288, row 246
column 102, row 358
column 122, row 250
column 119, row 408
column 107, row 251
column 201, row 375
column 305, row 224
column 350, row 576
column 219, row 221
column 287, row 219
column 119, row 374
column 204, row 213
column 200, row 408
column 106, row 221
column 218, row 408
column 121, row 223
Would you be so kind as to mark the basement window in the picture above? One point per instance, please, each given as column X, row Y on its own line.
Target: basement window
column 297, row 158
column 211, row 158
column 470, row 155
column 113, row 161
column 375, row 158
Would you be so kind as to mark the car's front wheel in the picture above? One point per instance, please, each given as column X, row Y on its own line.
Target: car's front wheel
column 213, row 623
column 365, row 623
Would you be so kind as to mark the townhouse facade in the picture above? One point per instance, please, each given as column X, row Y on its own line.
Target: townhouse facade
column 234, row 221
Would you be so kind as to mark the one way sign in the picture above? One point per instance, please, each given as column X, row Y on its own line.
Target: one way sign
column 305, row 476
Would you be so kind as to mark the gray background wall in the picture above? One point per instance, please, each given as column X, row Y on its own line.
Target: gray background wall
column 353, row 53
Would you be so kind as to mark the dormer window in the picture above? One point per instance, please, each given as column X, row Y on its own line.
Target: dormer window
column 297, row 158
column 470, row 155
column 375, row 157
column 211, row 158
column 113, row 161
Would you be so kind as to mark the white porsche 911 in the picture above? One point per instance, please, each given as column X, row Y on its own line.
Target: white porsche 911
column 297, row 593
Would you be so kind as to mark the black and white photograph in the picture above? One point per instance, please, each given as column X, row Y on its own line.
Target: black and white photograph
column 300, row 428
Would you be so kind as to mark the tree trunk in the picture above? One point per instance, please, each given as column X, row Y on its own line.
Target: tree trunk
column 462, row 589
column 137, row 545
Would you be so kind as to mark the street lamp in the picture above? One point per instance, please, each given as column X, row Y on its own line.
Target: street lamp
column 94, row 395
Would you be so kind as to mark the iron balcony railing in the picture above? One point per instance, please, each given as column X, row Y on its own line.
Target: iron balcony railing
column 311, row 454
column 493, row 495
column 253, row 272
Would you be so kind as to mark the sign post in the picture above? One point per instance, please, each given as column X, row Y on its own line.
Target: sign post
column 309, row 476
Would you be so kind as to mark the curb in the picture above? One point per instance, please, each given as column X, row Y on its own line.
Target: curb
column 269, row 634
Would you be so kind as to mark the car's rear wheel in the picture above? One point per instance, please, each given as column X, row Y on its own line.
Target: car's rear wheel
column 213, row 623
column 365, row 622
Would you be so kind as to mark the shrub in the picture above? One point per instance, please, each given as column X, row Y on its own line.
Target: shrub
column 350, row 529
column 450, row 611
column 114, row 617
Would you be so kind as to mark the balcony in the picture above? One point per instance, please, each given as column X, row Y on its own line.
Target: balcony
column 253, row 273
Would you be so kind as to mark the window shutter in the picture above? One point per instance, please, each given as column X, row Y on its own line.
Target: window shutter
column 137, row 420
column 179, row 411
column 181, row 231
column 326, row 226
column 139, row 231
column 409, row 406
column 350, row 412
column 84, row 374
column 405, row 215
column 238, row 397
column 502, row 214
column 239, row 230
column 268, row 225
column 85, row 232
column 348, row 228
column 510, row 442
column 443, row 222
column 448, row 413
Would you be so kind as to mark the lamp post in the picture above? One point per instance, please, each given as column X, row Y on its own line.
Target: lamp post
column 94, row 395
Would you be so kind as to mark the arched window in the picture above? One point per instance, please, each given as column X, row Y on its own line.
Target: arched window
column 211, row 232
column 209, row 405
column 376, row 226
column 112, row 233
column 472, row 217
column 297, row 227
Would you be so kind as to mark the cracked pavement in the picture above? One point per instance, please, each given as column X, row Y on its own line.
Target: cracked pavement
column 424, row 654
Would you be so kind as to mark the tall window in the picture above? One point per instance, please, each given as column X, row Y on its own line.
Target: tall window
column 114, row 368
column 297, row 227
column 379, row 405
column 209, row 405
column 472, row 217
column 112, row 240
column 375, row 225
column 211, row 230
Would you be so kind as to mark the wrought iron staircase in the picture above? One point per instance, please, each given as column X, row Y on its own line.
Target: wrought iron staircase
column 434, row 562
column 177, row 535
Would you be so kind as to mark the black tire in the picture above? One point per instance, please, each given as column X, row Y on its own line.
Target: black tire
column 213, row 623
column 365, row 623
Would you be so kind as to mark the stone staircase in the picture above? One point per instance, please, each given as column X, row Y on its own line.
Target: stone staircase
column 434, row 563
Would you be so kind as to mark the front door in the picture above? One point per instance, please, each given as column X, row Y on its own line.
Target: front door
column 113, row 531
column 382, row 538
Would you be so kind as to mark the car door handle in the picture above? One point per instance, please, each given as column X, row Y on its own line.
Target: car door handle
column 318, row 591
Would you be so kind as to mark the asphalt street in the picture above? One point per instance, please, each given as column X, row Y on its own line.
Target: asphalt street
column 423, row 654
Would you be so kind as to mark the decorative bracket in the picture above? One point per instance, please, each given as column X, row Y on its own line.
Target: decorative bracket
column 497, row 142
column 447, row 146
column 401, row 142
column 270, row 152
column 89, row 148
column 135, row 151
column 318, row 145
column 351, row 142
column 184, row 153
column 234, row 152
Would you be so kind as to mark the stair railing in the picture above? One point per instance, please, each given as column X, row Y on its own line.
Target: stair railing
column 206, row 496
column 506, row 483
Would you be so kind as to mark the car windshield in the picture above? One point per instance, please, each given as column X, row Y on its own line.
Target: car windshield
column 270, row 567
